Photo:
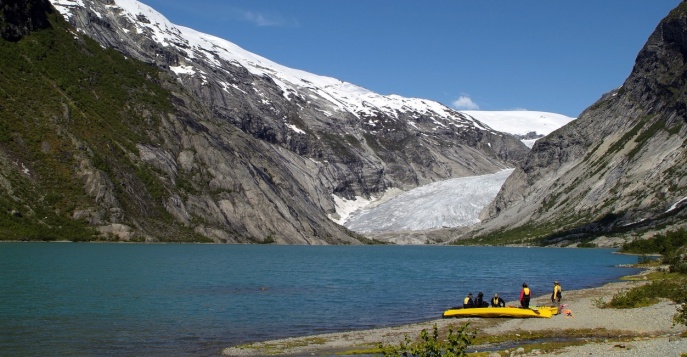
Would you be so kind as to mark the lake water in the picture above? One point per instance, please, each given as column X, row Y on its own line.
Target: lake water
column 80, row 299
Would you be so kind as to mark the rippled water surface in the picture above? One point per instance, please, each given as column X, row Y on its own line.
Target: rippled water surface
column 192, row 300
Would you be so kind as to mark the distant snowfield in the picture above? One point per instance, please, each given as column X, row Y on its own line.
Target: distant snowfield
column 451, row 203
column 520, row 122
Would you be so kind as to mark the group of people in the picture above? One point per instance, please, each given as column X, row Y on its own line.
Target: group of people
column 524, row 299
column 496, row 301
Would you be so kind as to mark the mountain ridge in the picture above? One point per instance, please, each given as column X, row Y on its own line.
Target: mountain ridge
column 226, row 154
column 240, row 150
column 618, row 168
column 239, row 75
column 194, row 44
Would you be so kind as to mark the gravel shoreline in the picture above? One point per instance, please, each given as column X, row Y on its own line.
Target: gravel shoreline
column 650, row 330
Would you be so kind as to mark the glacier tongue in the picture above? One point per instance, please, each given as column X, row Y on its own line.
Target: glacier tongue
column 451, row 203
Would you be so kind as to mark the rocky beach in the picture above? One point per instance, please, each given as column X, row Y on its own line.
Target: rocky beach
column 646, row 331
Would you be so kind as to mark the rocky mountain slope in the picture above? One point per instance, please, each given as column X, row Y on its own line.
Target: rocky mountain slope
column 622, row 165
column 209, row 143
column 370, row 141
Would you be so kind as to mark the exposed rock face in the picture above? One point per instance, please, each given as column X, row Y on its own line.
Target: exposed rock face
column 254, row 151
column 17, row 19
column 384, row 141
column 622, row 163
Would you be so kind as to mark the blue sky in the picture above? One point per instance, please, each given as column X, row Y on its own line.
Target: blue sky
column 547, row 55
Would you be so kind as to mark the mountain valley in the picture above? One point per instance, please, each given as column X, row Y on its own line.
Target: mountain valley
column 121, row 126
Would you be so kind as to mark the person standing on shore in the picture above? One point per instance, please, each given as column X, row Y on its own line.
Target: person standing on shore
column 557, row 293
column 525, row 294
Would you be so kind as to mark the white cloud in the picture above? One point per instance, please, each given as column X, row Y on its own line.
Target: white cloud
column 465, row 103
column 261, row 19
column 267, row 20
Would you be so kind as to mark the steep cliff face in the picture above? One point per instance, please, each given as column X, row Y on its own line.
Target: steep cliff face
column 621, row 164
column 212, row 142
column 369, row 142
column 18, row 19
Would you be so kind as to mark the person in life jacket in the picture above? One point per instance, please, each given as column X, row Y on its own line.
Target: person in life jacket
column 525, row 294
column 497, row 301
column 557, row 293
column 467, row 302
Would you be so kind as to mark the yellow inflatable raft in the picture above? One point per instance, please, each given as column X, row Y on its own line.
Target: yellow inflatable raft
column 510, row 311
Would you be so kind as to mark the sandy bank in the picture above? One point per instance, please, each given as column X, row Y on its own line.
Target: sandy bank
column 652, row 327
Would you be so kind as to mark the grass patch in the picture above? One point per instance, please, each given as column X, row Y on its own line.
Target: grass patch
column 548, row 341
column 667, row 285
column 542, row 341
column 452, row 344
column 522, row 335
column 671, row 286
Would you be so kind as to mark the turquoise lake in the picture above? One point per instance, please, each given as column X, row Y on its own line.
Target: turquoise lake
column 92, row 299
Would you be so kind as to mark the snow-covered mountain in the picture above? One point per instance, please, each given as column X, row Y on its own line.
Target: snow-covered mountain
column 288, row 102
column 200, row 54
column 264, row 150
column 197, row 50
column 526, row 125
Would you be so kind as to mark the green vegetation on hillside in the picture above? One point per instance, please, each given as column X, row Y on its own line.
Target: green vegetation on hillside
column 672, row 246
column 65, row 104
column 523, row 235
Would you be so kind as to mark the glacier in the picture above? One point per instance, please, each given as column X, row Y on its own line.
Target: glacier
column 445, row 204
